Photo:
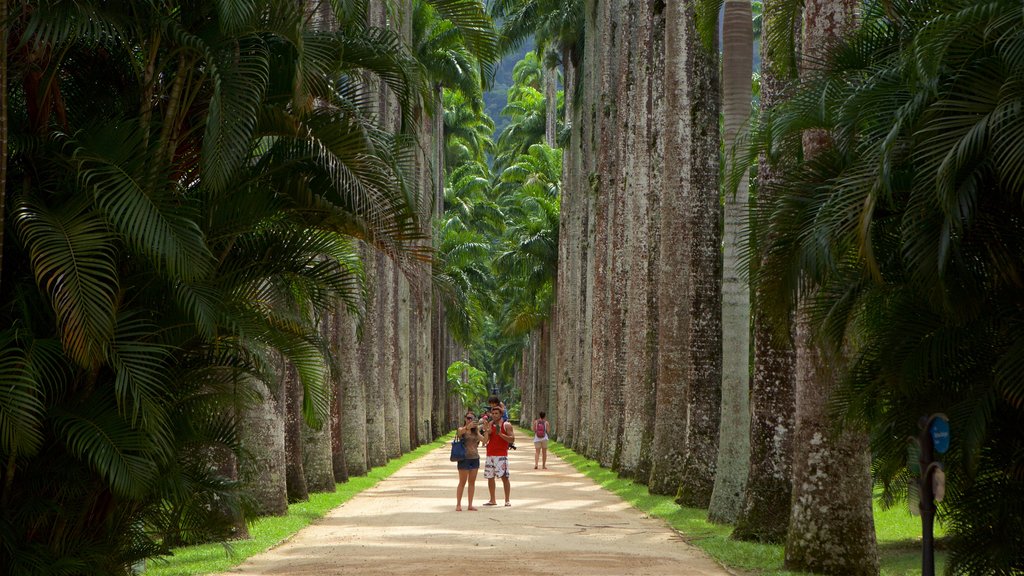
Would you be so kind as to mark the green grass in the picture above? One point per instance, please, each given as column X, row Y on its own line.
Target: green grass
column 898, row 532
column 270, row 531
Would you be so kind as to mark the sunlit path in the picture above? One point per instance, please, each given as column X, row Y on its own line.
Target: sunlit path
column 559, row 523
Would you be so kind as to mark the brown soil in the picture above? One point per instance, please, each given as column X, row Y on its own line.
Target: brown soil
column 560, row 523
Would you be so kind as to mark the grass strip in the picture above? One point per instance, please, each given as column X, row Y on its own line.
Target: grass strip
column 270, row 531
column 898, row 532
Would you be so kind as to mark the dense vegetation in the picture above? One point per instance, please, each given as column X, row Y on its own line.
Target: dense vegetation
column 197, row 193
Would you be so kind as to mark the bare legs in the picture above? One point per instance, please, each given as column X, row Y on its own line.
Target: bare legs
column 540, row 453
column 472, row 488
column 504, row 484
column 465, row 476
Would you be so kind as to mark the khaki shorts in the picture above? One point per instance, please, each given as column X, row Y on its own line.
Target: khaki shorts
column 540, row 443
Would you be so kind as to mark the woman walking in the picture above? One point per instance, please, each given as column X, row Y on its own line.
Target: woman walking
column 540, row 440
column 468, row 468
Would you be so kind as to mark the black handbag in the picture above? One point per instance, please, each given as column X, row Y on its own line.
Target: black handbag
column 458, row 450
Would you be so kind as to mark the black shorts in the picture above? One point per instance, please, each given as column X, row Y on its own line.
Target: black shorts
column 469, row 464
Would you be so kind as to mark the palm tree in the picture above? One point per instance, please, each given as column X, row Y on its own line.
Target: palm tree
column 554, row 23
column 918, row 306
column 831, row 526
column 689, row 371
column 467, row 132
column 642, row 158
column 727, row 498
column 765, row 515
column 525, row 110
column 147, row 292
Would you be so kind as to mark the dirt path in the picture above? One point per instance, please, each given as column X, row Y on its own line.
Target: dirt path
column 560, row 523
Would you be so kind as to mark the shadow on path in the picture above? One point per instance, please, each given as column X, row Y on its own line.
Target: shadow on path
column 560, row 523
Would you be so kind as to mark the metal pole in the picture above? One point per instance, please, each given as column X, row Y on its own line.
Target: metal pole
column 927, row 502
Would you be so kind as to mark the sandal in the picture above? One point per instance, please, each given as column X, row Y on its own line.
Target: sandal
column 507, row 503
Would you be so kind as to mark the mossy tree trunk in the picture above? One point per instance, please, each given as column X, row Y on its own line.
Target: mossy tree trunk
column 765, row 514
column 831, row 528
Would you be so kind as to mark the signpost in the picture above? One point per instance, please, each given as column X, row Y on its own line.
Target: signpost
column 934, row 438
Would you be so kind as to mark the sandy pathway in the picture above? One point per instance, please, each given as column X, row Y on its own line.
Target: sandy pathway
column 560, row 523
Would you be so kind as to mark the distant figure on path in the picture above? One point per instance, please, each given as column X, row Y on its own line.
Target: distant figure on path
column 540, row 440
column 498, row 435
column 468, row 468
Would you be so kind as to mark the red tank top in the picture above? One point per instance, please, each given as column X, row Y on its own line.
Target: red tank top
column 497, row 446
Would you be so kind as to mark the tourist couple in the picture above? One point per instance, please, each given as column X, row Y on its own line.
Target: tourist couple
column 494, row 430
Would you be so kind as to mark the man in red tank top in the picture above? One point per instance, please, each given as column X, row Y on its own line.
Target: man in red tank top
column 498, row 435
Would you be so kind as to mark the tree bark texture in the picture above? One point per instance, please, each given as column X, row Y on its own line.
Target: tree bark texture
column 550, row 103
column 317, row 443
column 831, row 528
column 338, row 464
column 375, row 374
column 728, row 495
column 642, row 205
column 694, row 67
column 262, row 438
column 765, row 515
column 296, row 476
column 352, row 389
column 403, row 339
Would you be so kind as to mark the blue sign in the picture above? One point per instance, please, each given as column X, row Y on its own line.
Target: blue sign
column 939, row 431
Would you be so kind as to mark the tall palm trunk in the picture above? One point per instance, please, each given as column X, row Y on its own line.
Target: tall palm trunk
column 372, row 373
column 734, row 432
column 618, row 265
column 568, row 333
column 698, row 70
column 352, row 390
column 338, row 463
column 317, row 449
column 263, row 439
column 296, row 476
column 642, row 245
column 550, row 102
column 403, row 349
column 765, row 515
column 588, row 203
column 831, row 528
column 674, row 289
column 592, row 435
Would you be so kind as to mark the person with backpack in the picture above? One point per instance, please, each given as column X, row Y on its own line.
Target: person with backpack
column 540, row 441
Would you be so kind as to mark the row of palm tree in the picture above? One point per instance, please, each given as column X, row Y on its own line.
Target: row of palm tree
column 873, row 251
column 498, row 237
column 199, row 198
column 900, row 238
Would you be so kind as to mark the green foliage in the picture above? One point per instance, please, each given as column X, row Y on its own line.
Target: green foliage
column 906, row 237
column 468, row 383
column 555, row 23
column 467, row 132
column 190, row 179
